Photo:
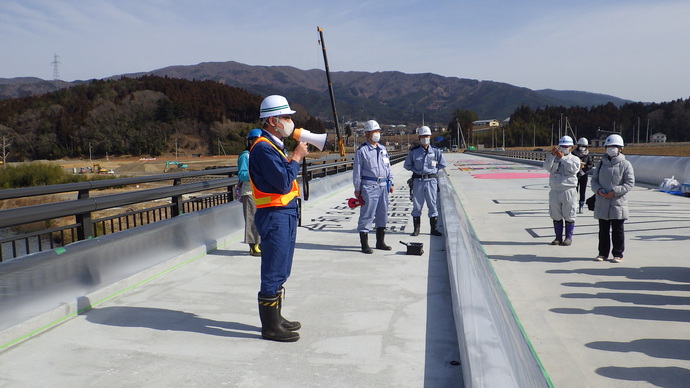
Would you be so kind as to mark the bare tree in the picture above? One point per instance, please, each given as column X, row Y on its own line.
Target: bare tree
column 5, row 143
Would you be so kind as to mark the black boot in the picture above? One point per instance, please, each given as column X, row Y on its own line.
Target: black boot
column 380, row 244
column 434, row 223
column 416, row 221
column 271, row 328
column 290, row 325
column 364, row 240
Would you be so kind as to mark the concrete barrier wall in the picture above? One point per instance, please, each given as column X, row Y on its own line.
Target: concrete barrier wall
column 45, row 287
column 493, row 348
column 652, row 170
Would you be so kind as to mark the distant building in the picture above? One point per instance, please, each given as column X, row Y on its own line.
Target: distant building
column 600, row 138
column 658, row 138
column 484, row 125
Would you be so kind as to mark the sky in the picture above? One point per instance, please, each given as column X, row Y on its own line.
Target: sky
column 633, row 49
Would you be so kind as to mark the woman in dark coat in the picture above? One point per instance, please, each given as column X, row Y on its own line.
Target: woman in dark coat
column 586, row 161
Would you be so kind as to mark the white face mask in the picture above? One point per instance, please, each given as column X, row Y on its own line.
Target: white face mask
column 564, row 150
column 612, row 152
column 288, row 128
column 424, row 140
column 375, row 137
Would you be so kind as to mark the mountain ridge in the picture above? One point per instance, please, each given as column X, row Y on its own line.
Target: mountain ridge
column 386, row 95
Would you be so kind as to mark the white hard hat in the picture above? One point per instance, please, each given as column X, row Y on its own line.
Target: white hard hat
column 583, row 142
column 275, row 105
column 566, row 141
column 423, row 131
column 614, row 140
column 371, row 125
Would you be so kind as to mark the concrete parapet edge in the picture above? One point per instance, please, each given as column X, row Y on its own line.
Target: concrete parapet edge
column 494, row 349
column 44, row 289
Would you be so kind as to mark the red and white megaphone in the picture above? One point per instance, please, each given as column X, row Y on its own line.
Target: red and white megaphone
column 318, row 140
column 354, row 202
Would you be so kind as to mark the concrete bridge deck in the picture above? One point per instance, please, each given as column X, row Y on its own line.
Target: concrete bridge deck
column 385, row 320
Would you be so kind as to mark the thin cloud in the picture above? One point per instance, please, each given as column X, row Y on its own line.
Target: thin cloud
column 628, row 48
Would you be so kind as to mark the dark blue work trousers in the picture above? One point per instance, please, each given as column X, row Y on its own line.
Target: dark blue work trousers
column 278, row 230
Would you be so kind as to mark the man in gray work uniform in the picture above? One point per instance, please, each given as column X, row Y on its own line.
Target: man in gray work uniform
column 373, row 180
column 424, row 161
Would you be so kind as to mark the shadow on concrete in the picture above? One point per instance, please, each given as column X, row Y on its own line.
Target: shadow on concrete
column 632, row 286
column 331, row 247
column 662, row 237
column 675, row 274
column 163, row 319
column 631, row 312
column 635, row 298
column 442, row 351
column 514, row 243
column 233, row 253
column 665, row 377
column 535, row 258
column 674, row 349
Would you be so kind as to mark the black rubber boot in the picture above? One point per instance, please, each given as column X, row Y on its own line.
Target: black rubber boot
column 416, row 221
column 434, row 224
column 364, row 240
column 290, row 325
column 271, row 328
column 558, row 229
column 569, row 229
column 380, row 244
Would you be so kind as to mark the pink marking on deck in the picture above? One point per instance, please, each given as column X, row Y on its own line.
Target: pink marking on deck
column 510, row 175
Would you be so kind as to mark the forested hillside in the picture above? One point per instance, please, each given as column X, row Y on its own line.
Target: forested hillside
column 631, row 120
column 140, row 117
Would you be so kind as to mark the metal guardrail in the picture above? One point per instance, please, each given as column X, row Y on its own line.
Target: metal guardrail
column 82, row 224
column 539, row 156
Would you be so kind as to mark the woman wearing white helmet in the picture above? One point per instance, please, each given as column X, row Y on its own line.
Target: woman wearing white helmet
column 586, row 163
column 563, row 167
column 611, row 182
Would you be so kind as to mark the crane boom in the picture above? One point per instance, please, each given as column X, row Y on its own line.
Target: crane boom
column 341, row 145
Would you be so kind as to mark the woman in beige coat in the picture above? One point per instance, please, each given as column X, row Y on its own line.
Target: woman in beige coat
column 612, row 181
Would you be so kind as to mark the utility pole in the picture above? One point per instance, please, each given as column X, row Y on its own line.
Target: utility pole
column 457, row 130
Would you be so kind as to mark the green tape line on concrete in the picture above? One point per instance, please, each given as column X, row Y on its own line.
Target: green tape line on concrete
column 80, row 311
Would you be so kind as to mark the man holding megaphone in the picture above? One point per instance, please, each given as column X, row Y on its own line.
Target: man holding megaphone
column 273, row 179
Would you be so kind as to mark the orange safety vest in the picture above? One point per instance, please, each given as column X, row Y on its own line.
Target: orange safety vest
column 262, row 199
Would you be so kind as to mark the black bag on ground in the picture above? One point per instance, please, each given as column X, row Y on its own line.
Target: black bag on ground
column 590, row 202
